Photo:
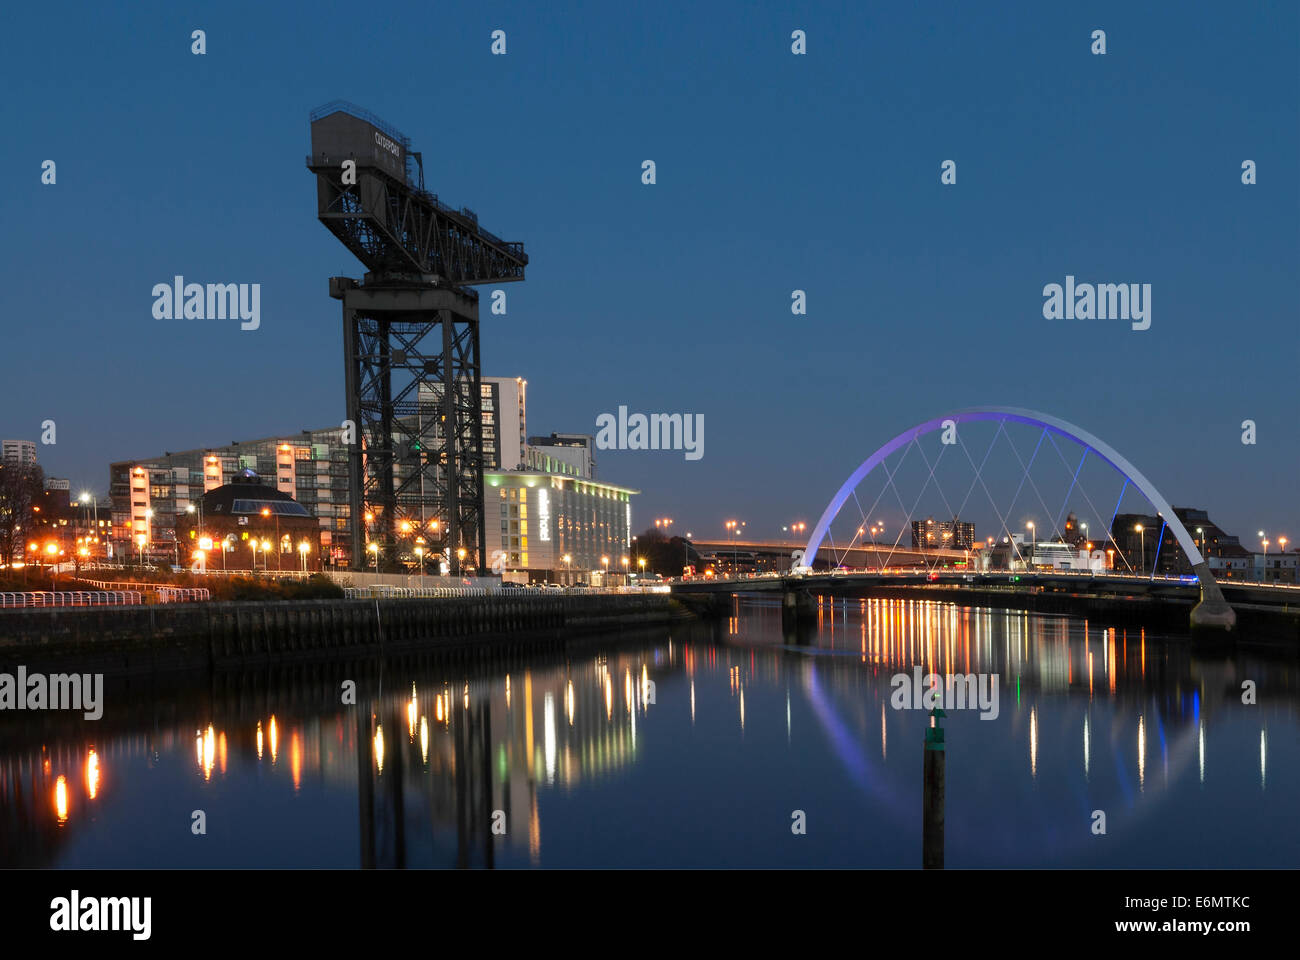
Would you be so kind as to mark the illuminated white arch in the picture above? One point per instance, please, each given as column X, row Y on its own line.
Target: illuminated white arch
column 1209, row 588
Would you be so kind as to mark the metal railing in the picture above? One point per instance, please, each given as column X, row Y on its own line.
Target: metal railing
column 385, row 592
column 71, row 598
column 183, row 594
column 165, row 593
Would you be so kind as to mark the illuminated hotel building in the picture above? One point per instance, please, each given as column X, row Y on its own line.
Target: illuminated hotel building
column 534, row 520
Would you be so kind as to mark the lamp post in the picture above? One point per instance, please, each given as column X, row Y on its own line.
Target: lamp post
column 94, row 501
column 605, row 563
column 253, row 543
column 460, row 559
column 1201, row 533
column 266, row 548
column 374, row 555
column 1142, row 546
column 733, row 526
column 568, row 570
column 303, row 548
column 1033, row 541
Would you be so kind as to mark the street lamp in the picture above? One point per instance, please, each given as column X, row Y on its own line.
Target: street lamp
column 1201, row 532
column 374, row 554
column 1142, row 541
column 303, row 548
column 266, row 547
column 1033, row 547
column 605, row 562
column 460, row 557
column 568, row 570
column 641, row 563
column 733, row 526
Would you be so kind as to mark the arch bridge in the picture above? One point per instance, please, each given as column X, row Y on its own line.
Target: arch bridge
column 1212, row 611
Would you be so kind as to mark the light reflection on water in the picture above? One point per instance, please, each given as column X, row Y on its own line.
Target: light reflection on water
column 689, row 749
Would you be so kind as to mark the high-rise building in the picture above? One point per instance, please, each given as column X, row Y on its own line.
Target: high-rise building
column 943, row 534
column 18, row 452
column 505, row 419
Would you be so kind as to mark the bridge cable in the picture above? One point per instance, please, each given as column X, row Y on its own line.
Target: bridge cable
column 992, row 502
column 1027, row 468
column 1111, row 529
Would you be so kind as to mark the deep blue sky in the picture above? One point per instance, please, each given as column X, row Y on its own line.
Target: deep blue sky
column 775, row 172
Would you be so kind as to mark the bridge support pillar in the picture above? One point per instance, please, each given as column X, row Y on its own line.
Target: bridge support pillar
column 796, row 607
column 1213, row 612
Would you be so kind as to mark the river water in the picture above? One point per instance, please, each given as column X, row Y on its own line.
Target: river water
column 727, row 744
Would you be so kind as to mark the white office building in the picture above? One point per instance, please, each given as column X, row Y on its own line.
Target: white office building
column 18, row 452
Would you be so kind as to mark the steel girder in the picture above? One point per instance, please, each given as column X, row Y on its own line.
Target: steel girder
column 394, row 227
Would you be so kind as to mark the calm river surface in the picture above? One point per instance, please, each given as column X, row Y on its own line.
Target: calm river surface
column 693, row 747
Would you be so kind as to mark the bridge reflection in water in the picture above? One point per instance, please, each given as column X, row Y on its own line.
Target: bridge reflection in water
column 692, row 750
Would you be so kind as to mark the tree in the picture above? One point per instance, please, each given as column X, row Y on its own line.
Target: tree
column 20, row 488
column 663, row 554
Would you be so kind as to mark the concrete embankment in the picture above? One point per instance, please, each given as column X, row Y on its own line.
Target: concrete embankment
column 214, row 635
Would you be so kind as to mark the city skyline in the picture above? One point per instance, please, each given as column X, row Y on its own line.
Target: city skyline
column 1138, row 182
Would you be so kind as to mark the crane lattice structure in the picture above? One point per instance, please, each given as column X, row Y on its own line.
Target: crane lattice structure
column 410, row 341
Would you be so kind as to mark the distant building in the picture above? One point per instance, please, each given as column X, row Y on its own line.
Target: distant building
column 152, row 496
column 1145, row 549
column 1275, row 567
column 943, row 534
column 249, row 522
column 505, row 419
column 18, row 452
column 571, row 454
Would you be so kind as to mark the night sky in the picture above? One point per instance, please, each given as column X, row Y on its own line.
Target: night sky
column 775, row 172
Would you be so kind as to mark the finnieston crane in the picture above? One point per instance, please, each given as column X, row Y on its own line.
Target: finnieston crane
column 410, row 340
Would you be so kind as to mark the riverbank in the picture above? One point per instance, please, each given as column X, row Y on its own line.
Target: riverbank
column 144, row 639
